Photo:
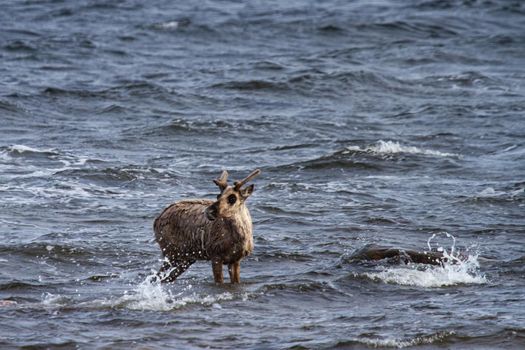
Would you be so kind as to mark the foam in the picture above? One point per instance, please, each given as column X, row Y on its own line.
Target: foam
column 391, row 147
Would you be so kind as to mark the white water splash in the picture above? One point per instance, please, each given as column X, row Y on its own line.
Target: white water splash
column 152, row 295
column 456, row 270
column 54, row 300
column 391, row 147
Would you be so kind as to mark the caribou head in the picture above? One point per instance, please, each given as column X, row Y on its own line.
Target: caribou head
column 231, row 199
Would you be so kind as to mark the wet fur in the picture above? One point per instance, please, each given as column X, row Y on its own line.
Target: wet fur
column 201, row 229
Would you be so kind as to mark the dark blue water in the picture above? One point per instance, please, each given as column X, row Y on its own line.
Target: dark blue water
column 386, row 122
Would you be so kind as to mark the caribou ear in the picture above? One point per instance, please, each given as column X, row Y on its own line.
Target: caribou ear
column 247, row 192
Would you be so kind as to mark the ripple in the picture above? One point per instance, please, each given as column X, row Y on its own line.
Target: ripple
column 20, row 46
column 412, row 29
column 252, row 85
column 131, row 88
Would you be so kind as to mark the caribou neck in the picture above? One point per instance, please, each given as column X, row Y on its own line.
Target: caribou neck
column 241, row 223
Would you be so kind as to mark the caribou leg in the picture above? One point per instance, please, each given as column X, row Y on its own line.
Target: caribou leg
column 170, row 270
column 235, row 272
column 216, row 266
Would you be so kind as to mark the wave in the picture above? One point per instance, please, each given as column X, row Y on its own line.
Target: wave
column 27, row 150
column 10, row 107
column 197, row 126
column 414, row 28
column 124, row 89
column 491, row 195
column 52, row 154
column 43, row 249
column 40, row 162
column 392, row 147
column 15, row 285
column 338, row 160
column 406, row 342
column 470, row 79
column 19, row 46
column 111, row 175
column 222, row 126
column 320, row 83
column 54, row 300
column 21, row 161
column 445, row 339
column 371, row 157
column 250, row 85
column 303, row 286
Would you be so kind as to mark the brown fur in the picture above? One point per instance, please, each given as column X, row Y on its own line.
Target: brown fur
column 201, row 229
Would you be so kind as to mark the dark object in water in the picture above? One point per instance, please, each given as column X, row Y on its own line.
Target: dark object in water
column 399, row 255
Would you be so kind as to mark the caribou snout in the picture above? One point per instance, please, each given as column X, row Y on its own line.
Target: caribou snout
column 211, row 212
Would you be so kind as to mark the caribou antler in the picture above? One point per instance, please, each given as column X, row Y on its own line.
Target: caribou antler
column 222, row 182
column 239, row 184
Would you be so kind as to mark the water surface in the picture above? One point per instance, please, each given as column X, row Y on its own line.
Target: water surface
column 378, row 122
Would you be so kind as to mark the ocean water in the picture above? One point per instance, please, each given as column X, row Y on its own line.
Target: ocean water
column 399, row 123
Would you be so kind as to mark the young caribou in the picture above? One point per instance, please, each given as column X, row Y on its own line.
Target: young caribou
column 201, row 229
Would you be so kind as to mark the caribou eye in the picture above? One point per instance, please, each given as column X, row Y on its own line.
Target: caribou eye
column 232, row 199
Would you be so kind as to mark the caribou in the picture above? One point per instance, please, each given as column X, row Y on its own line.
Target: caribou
column 201, row 229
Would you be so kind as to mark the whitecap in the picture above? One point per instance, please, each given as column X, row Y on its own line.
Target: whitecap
column 26, row 149
column 391, row 147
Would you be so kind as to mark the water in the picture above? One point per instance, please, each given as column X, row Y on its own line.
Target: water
column 373, row 122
